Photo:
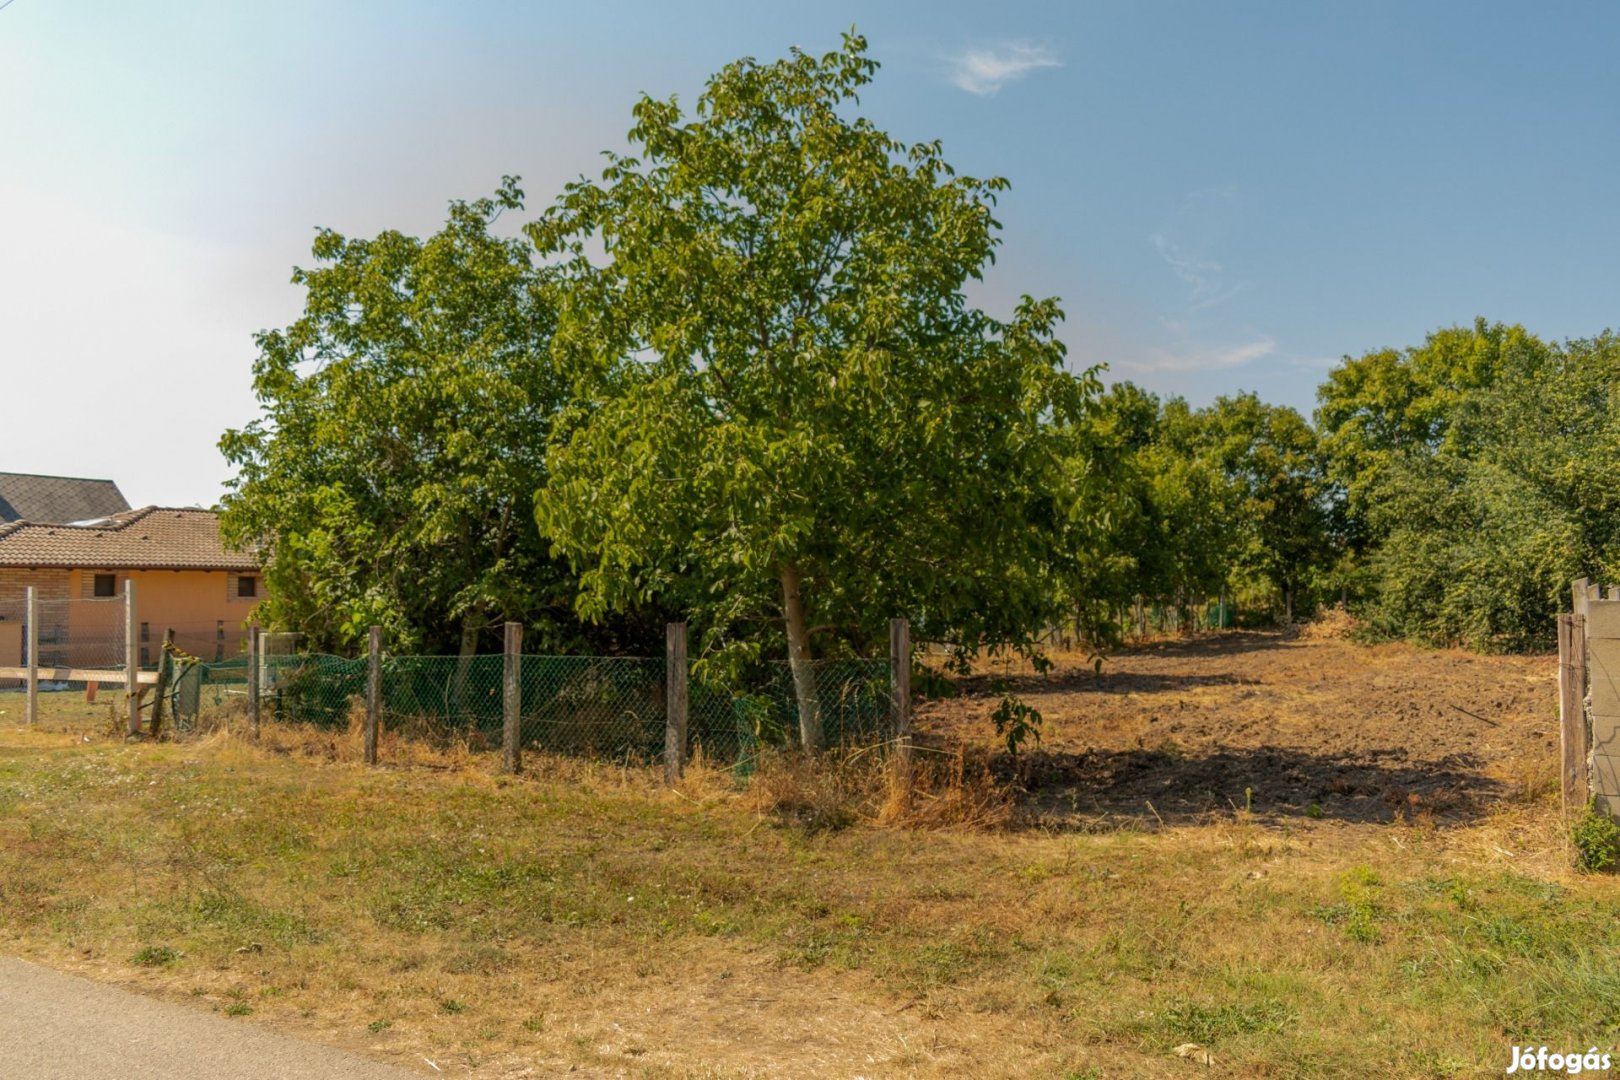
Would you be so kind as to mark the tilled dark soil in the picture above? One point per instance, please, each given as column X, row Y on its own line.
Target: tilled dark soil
column 1275, row 725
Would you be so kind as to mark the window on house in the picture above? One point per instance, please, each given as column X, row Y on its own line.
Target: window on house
column 247, row 587
column 146, row 632
column 106, row 585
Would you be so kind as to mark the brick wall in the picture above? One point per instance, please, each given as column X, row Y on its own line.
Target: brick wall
column 51, row 587
column 14, row 582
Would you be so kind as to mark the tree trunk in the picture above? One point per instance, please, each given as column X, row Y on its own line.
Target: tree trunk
column 1288, row 606
column 464, row 659
column 804, row 675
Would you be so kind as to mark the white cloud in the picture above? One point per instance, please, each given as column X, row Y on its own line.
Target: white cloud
column 1205, row 276
column 1204, row 358
column 983, row 71
column 1185, row 244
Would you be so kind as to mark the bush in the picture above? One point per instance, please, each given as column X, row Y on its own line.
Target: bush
column 1596, row 838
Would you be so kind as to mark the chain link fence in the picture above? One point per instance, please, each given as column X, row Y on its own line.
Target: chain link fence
column 852, row 696
column 77, row 633
column 604, row 708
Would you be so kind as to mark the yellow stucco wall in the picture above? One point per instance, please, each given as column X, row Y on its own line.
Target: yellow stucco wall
column 10, row 648
column 201, row 606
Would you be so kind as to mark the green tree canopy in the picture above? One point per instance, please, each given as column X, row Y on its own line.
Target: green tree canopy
column 1389, row 404
column 1269, row 456
column 1480, row 536
column 788, row 418
column 390, row 478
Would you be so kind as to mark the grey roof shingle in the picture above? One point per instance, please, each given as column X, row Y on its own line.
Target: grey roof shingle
column 57, row 500
column 151, row 539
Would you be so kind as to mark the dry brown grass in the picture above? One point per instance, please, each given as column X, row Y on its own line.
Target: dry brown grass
column 1331, row 624
column 946, row 785
column 586, row 919
column 831, row 920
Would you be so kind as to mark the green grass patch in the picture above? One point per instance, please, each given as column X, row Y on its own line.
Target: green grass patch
column 155, row 956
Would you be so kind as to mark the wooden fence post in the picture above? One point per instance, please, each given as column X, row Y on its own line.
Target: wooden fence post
column 675, row 700
column 900, row 691
column 132, row 657
column 1572, row 711
column 31, row 643
column 373, row 692
column 512, row 700
column 255, row 646
column 162, row 686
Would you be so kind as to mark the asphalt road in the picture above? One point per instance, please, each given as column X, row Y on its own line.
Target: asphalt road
column 57, row 1027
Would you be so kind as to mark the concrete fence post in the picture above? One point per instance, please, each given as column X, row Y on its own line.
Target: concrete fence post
column 675, row 701
column 373, row 693
column 512, row 700
column 255, row 647
column 132, row 658
column 31, row 644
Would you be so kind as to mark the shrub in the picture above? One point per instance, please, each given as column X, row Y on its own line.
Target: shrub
column 1596, row 838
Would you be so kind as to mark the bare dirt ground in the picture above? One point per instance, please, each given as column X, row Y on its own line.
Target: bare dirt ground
column 1280, row 725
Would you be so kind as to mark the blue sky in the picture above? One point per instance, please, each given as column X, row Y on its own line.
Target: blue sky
column 1225, row 196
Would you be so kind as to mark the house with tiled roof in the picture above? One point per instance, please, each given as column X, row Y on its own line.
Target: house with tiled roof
column 186, row 580
column 57, row 500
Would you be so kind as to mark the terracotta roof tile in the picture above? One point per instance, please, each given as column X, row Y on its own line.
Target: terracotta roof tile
column 153, row 538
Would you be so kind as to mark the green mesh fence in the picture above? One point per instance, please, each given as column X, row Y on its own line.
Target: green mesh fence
column 605, row 707
column 441, row 696
column 600, row 707
column 313, row 688
column 197, row 687
column 852, row 697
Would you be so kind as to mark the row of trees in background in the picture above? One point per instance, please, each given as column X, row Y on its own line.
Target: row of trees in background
column 1448, row 492
column 736, row 380
column 1227, row 500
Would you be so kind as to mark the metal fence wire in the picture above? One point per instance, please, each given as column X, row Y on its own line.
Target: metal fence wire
column 79, row 633
column 852, row 697
column 587, row 706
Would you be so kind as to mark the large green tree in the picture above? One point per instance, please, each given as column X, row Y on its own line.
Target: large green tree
column 1479, row 535
column 1391, row 404
column 1195, row 501
column 391, row 475
column 788, row 418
